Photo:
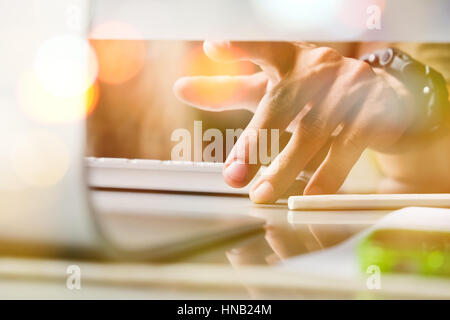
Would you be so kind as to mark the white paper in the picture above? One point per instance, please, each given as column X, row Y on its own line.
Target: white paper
column 341, row 261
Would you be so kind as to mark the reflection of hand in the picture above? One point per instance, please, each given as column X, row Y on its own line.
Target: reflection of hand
column 328, row 235
column 252, row 252
column 288, row 242
column 315, row 93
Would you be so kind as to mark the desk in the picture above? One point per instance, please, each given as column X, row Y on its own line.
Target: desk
column 240, row 268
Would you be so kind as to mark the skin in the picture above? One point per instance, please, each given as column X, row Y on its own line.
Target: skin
column 325, row 100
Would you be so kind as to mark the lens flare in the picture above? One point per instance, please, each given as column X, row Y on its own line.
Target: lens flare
column 40, row 159
column 121, row 51
column 43, row 106
column 198, row 64
column 66, row 65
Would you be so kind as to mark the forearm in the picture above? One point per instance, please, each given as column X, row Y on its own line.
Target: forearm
column 425, row 168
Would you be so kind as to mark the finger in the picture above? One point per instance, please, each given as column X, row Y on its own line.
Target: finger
column 275, row 58
column 271, row 118
column 311, row 133
column 218, row 93
column 286, row 241
column 360, row 124
column 344, row 152
column 300, row 183
column 296, row 188
column 328, row 235
column 302, row 180
column 252, row 252
column 277, row 109
column 242, row 164
column 309, row 137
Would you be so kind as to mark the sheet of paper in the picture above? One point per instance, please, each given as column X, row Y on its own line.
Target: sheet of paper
column 341, row 261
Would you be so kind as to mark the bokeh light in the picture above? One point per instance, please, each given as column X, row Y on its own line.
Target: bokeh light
column 43, row 106
column 40, row 159
column 9, row 127
column 198, row 64
column 66, row 65
column 121, row 58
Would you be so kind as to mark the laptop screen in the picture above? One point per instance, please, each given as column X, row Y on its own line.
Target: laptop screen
column 43, row 85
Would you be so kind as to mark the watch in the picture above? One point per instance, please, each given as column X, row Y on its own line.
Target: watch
column 429, row 84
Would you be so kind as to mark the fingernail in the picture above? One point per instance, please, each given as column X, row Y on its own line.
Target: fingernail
column 217, row 44
column 236, row 171
column 230, row 159
column 217, row 50
column 313, row 191
column 263, row 193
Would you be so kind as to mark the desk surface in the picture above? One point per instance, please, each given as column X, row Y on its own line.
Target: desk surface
column 286, row 233
column 239, row 268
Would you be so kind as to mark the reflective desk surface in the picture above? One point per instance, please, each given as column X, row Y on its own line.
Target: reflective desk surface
column 240, row 268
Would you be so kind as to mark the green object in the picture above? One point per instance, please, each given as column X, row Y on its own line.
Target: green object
column 406, row 251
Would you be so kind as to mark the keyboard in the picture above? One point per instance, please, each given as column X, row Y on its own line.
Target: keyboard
column 158, row 175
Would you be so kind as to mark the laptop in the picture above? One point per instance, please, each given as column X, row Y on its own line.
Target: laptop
column 45, row 203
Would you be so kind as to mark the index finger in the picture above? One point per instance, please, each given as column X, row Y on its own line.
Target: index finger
column 275, row 58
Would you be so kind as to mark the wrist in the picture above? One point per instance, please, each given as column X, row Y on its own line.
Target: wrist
column 426, row 86
column 417, row 133
column 406, row 104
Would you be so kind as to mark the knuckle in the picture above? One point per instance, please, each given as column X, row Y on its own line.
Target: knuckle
column 326, row 54
column 351, row 141
column 282, row 98
column 281, row 92
column 362, row 69
column 312, row 127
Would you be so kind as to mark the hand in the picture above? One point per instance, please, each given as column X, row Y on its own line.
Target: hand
column 313, row 92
